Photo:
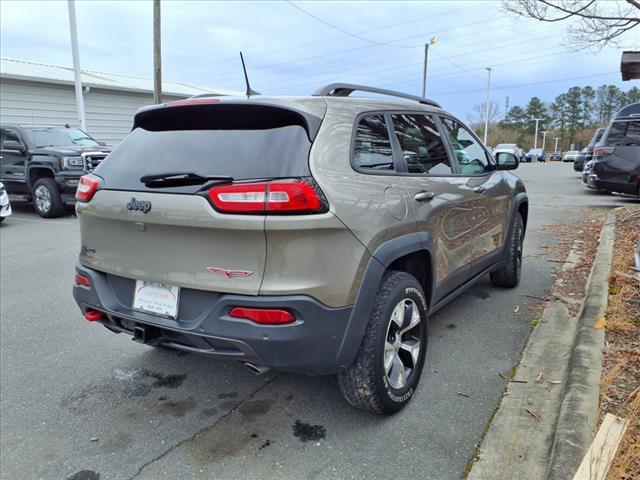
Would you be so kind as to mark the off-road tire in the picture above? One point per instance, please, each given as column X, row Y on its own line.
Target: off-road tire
column 364, row 384
column 56, row 205
column 508, row 276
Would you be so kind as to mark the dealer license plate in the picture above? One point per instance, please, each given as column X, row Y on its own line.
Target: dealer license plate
column 156, row 298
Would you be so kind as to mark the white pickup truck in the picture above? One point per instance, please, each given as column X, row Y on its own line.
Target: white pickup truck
column 510, row 148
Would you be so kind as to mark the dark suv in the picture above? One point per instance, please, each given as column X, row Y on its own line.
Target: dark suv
column 43, row 164
column 616, row 157
column 307, row 234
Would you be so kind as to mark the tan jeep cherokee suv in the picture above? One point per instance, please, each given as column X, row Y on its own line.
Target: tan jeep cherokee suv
column 309, row 234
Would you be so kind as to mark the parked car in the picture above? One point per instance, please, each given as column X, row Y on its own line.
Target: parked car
column 42, row 164
column 310, row 235
column 536, row 154
column 570, row 156
column 555, row 157
column 616, row 157
column 581, row 159
column 589, row 154
column 510, row 148
column 5, row 204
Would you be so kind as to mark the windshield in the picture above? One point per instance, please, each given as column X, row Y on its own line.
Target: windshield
column 506, row 145
column 59, row 137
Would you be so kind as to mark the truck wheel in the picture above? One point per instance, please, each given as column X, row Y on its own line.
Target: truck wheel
column 46, row 198
column 387, row 368
column 508, row 275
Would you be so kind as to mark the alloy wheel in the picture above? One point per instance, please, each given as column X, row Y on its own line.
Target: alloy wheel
column 402, row 344
column 43, row 198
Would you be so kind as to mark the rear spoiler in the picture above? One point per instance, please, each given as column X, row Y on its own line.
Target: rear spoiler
column 211, row 114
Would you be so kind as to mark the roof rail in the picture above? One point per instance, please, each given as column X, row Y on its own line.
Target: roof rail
column 346, row 89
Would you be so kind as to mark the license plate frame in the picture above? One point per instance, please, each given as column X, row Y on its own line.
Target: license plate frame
column 162, row 305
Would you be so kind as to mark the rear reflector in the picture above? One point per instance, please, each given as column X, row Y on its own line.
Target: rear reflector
column 278, row 196
column 87, row 187
column 263, row 315
column 93, row 315
column 82, row 280
column 602, row 151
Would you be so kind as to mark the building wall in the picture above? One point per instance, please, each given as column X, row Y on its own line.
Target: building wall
column 109, row 113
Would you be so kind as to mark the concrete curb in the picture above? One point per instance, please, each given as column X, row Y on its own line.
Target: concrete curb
column 579, row 409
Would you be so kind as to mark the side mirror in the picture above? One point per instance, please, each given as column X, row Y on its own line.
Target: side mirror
column 12, row 145
column 506, row 161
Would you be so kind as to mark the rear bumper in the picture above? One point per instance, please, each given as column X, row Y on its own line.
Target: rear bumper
column 613, row 186
column 310, row 345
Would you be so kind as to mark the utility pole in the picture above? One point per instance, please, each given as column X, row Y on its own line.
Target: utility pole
column 424, row 71
column 506, row 106
column 157, row 58
column 535, row 139
column 486, row 114
column 76, row 65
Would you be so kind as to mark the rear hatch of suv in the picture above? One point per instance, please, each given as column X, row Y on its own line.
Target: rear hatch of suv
column 183, row 199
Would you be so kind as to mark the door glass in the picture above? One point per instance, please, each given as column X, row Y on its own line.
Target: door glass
column 372, row 148
column 471, row 157
column 423, row 151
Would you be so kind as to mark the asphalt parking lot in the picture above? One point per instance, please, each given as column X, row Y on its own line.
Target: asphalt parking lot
column 79, row 402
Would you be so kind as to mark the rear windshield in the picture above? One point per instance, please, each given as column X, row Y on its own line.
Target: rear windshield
column 624, row 133
column 242, row 154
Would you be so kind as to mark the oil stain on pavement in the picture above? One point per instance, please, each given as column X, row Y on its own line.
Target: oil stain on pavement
column 306, row 432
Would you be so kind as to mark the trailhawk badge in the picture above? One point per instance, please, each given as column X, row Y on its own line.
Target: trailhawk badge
column 229, row 273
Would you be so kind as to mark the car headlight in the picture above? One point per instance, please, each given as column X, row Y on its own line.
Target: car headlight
column 72, row 162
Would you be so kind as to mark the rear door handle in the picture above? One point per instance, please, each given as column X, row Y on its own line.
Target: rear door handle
column 423, row 196
column 478, row 189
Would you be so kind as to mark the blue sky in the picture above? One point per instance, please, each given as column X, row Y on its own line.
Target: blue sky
column 289, row 52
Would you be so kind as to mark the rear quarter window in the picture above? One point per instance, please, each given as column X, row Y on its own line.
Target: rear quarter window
column 372, row 146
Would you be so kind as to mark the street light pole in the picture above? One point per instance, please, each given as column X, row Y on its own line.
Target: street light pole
column 555, row 149
column 544, row 139
column 157, row 59
column 486, row 115
column 424, row 71
column 76, row 65
column 535, row 139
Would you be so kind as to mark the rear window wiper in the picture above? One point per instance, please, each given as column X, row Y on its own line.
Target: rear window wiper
column 168, row 179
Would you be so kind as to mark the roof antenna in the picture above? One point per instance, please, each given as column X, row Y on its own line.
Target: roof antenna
column 246, row 79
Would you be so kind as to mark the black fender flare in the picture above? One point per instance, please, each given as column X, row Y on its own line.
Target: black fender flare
column 38, row 167
column 381, row 259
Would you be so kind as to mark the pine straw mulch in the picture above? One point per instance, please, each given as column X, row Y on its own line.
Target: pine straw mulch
column 620, row 386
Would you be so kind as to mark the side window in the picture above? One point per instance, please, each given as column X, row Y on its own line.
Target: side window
column 423, row 151
column 472, row 158
column 372, row 148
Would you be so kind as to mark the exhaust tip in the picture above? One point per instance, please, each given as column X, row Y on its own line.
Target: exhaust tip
column 256, row 369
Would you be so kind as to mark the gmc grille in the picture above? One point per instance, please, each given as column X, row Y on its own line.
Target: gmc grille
column 92, row 160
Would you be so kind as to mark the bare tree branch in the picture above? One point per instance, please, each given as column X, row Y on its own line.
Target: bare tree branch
column 595, row 23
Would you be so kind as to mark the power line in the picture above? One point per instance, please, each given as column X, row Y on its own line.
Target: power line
column 350, row 34
column 279, row 50
column 522, row 85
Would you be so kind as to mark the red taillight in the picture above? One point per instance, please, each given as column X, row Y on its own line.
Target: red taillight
column 93, row 315
column 265, row 316
column 278, row 196
column 602, row 151
column 82, row 280
column 87, row 187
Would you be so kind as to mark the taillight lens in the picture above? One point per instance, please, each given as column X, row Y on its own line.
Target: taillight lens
column 265, row 316
column 82, row 280
column 93, row 315
column 278, row 196
column 602, row 151
column 87, row 187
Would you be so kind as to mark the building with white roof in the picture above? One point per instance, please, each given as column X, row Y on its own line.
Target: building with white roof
column 36, row 93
